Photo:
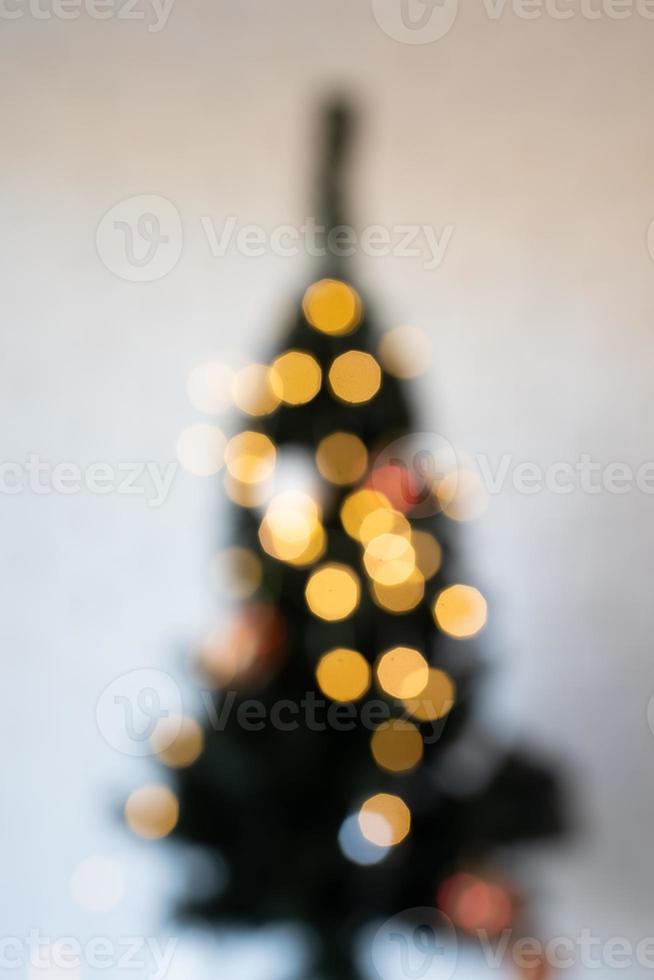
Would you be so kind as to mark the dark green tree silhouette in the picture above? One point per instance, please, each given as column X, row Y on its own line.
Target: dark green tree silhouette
column 270, row 804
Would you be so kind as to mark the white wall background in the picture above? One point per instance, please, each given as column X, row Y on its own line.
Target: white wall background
column 533, row 139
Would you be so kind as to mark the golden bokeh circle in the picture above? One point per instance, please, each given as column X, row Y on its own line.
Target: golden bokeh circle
column 436, row 699
column 385, row 820
column 177, row 741
column 255, row 390
column 296, row 377
column 343, row 675
column 332, row 307
column 397, row 746
column 460, row 611
column 152, row 811
column 402, row 672
column 250, row 457
column 355, row 377
column 400, row 598
column 357, row 506
column 333, row 592
column 342, row 458
column 429, row 554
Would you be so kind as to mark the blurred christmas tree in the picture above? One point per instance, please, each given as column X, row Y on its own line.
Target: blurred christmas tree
column 342, row 556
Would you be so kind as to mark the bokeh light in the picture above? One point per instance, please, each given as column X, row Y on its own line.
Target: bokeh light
column 201, row 449
column 402, row 672
column 405, row 352
column 436, row 699
column 245, row 649
column 476, row 905
column 357, row 506
column 255, row 390
column 297, row 377
column 209, row 387
column 98, row 884
column 238, row 572
column 342, row 458
column 397, row 746
column 152, row 811
column 177, row 741
column 400, row 598
column 355, row 377
column 384, row 520
column 461, row 495
column 429, row 554
column 332, row 307
column 460, row 611
column 389, row 559
column 250, row 457
column 333, row 592
column 343, row 675
column 354, row 845
column 385, row 820
column 290, row 526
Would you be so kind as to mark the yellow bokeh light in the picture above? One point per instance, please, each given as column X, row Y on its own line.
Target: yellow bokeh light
column 389, row 559
column 402, row 672
column 462, row 495
column 385, row 820
column 383, row 521
column 333, row 592
column 209, row 387
column 152, row 811
column 436, row 699
column 297, row 377
column 405, row 352
column 177, row 741
column 343, row 675
column 245, row 494
column 243, row 575
column 314, row 550
column 397, row 746
column 332, row 307
column 460, row 611
column 250, row 457
column 355, row 377
column 289, row 527
column 342, row 458
column 356, row 508
column 400, row 598
column 201, row 449
column 255, row 390
column 429, row 554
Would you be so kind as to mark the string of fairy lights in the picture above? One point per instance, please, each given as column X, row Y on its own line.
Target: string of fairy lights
column 397, row 560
